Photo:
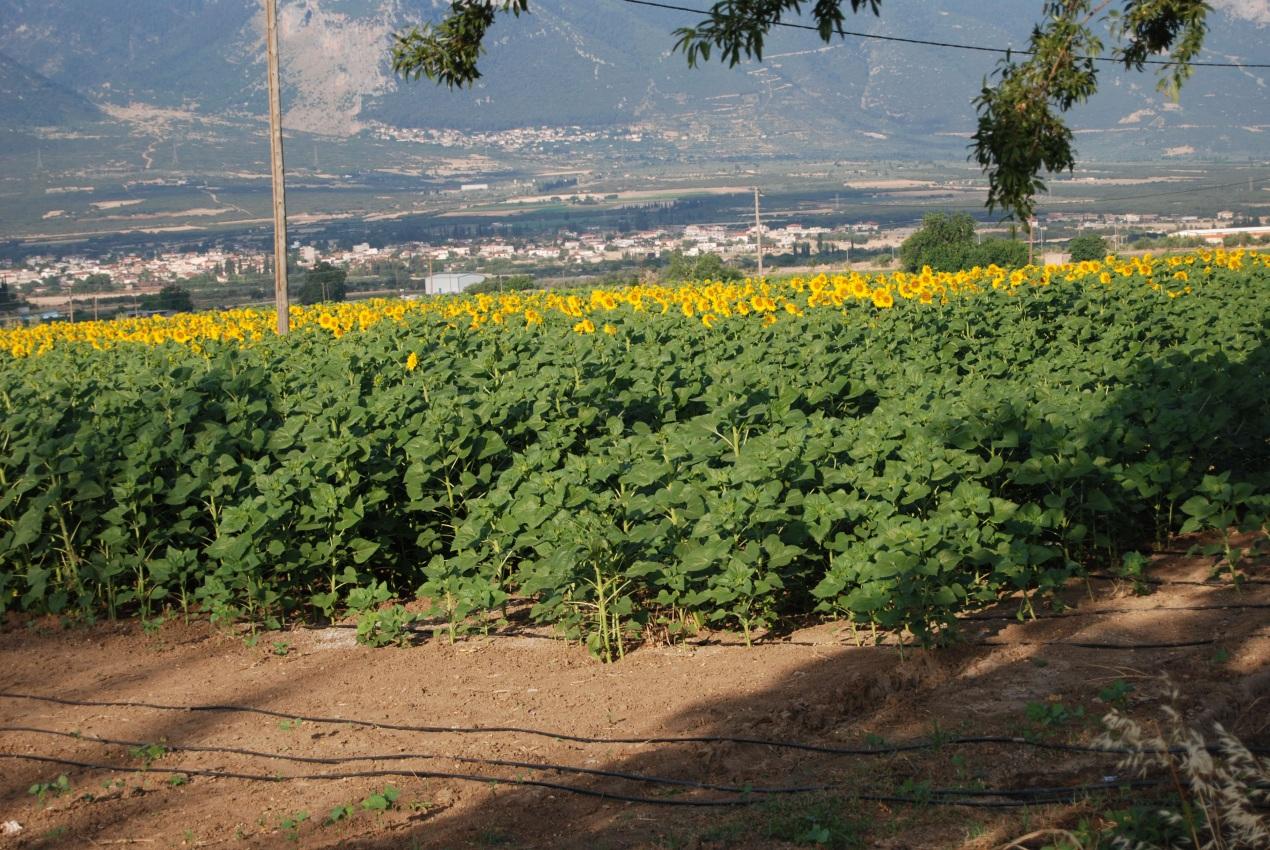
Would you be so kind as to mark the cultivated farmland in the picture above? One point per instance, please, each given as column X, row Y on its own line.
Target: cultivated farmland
column 890, row 451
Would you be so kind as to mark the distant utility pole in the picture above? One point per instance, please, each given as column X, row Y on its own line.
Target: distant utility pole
column 758, row 233
column 281, row 298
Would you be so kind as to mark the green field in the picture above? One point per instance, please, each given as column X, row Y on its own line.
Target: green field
column 893, row 467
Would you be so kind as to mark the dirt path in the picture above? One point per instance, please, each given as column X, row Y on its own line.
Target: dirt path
column 811, row 687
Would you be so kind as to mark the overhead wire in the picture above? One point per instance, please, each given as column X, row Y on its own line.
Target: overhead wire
column 924, row 42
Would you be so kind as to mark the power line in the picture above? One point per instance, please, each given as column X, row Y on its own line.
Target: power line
column 947, row 44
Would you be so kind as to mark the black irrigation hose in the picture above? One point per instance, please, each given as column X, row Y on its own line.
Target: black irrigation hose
column 332, row 761
column 1016, row 797
column 1129, row 647
column 612, row 774
column 895, row 644
column 1182, row 644
column 1216, row 585
column 1234, row 606
column 582, row 739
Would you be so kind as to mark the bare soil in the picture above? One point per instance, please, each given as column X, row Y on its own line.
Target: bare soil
column 810, row 686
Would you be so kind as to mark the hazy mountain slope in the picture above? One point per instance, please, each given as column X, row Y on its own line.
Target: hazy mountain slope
column 600, row 62
column 29, row 99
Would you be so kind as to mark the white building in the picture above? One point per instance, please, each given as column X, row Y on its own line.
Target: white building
column 450, row 283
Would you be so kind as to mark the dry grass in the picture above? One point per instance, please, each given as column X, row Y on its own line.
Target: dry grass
column 1222, row 792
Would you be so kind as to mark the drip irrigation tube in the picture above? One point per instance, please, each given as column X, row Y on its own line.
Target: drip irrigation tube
column 1234, row 606
column 1215, row 584
column 542, row 766
column 890, row 644
column 583, row 739
column 1015, row 797
column 333, row 761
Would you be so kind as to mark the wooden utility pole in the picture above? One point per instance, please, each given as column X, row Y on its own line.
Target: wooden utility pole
column 758, row 233
column 282, row 299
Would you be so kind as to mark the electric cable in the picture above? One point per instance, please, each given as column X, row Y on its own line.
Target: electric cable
column 946, row 44
column 582, row 739
column 972, row 798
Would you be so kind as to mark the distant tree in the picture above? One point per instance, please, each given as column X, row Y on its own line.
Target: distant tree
column 1087, row 246
column 1007, row 253
column 171, row 297
column 323, row 282
column 947, row 243
column 701, row 267
column 943, row 242
column 1021, row 132
column 9, row 300
column 96, row 282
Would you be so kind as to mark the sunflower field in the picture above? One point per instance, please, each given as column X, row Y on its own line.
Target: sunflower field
column 890, row 450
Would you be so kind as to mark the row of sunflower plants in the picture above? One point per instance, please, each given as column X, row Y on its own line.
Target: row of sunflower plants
column 805, row 451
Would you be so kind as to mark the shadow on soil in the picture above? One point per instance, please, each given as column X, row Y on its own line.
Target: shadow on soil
column 847, row 696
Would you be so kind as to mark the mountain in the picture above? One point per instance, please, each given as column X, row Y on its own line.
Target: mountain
column 598, row 63
column 28, row 98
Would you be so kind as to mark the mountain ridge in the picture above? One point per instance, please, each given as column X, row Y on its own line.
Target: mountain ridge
column 582, row 62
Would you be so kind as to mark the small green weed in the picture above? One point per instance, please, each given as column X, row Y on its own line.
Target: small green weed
column 281, row 647
column 1219, row 506
column 1048, row 716
column 148, row 754
column 381, row 800
column 291, row 826
column 56, row 788
column 811, row 823
column 1116, row 694
column 290, row 725
column 338, row 814
column 918, row 790
column 176, row 780
column 386, row 627
column 1133, row 567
